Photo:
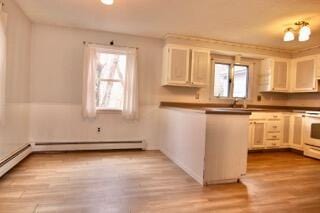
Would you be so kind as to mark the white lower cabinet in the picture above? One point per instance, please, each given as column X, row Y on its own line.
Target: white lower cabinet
column 275, row 130
column 286, row 130
column 256, row 134
column 296, row 131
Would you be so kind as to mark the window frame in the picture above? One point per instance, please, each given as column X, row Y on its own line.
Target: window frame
column 105, row 110
column 231, row 63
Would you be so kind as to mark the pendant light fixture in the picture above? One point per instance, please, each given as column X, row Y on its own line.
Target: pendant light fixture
column 304, row 32
column 288, row 35
column 107, row 2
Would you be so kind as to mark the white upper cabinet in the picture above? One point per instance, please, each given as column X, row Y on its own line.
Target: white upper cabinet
column 290, row 76
column 176, row 63
column 274, row 75
column 200, row 67
column 185, row 66
column 304, row 73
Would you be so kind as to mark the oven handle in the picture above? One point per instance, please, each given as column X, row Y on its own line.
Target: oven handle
column 312, row 116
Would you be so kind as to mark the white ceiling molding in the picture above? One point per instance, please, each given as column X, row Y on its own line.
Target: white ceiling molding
column 240, row 45
column 227, row 43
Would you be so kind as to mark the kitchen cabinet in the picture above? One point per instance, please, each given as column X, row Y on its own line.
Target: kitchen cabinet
column 276, row 130
column 257, row 136
column 176, row 65
column 185, row 66
column 274, row 75
column 296, row 140
column 200, row 66
column 290, row 76
column 304, row 74
column 286, row 131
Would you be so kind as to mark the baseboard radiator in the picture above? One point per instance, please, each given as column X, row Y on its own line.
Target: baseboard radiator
column 87, row 146
column 14, row 158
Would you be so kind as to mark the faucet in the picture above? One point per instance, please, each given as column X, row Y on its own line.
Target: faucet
column 234, row 103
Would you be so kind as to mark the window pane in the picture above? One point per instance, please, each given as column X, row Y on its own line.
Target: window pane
column 221, row 80
column 109, row 95
column 110, row 80
column 240, row 81
column 111, row 66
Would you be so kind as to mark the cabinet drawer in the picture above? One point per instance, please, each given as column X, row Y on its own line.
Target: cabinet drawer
column 273, row 143
column 273, row 136
column 274, row 127
column 274, row 117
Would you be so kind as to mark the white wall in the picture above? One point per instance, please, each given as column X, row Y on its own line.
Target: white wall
column 56, row 84
column 183, row 136
column 14, row 132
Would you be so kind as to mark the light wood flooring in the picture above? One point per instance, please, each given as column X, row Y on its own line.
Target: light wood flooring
column 138, row 181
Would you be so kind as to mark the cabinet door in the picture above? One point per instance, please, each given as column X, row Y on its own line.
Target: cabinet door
column 304, row 75
column 200, row 67
column 265, row 75
column 179, row 58
column 280, row 76
column 286, row 131
column 258, row 135
column 297, row 132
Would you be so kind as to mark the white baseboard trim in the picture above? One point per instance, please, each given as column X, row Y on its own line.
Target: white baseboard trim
column 189, row 171
column 15, row 158
column 88, row 146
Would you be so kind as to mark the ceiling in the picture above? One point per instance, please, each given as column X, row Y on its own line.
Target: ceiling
column 259, row 22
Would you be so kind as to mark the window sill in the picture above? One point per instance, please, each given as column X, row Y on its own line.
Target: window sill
column 228, row 98
column 109, row 111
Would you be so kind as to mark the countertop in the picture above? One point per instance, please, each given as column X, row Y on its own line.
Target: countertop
column 212, row 108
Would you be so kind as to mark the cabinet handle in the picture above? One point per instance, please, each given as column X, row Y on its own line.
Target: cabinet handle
column 274, row 127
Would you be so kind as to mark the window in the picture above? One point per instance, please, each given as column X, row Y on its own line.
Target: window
column 221, row 80
column 230, row 81
column 110, row 76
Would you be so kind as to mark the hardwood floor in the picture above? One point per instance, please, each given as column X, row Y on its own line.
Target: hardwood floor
column 148, row 182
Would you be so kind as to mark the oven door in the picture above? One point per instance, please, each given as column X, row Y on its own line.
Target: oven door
column 312, row 130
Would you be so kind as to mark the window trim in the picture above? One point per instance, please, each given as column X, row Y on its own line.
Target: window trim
column 230, row 94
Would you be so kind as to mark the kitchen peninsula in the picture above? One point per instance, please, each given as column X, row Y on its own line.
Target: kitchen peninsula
column 210, row 144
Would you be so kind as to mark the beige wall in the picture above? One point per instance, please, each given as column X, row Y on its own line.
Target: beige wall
column 14, row 132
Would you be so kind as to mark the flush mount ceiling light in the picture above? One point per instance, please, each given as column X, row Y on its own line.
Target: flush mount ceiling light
column 304, row 32
column 107, row 2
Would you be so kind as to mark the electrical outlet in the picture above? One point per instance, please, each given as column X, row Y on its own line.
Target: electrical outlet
column 197, row 95
column 259, row 98
column 98, row 129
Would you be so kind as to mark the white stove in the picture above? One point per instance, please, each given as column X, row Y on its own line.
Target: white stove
column 312, row 135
